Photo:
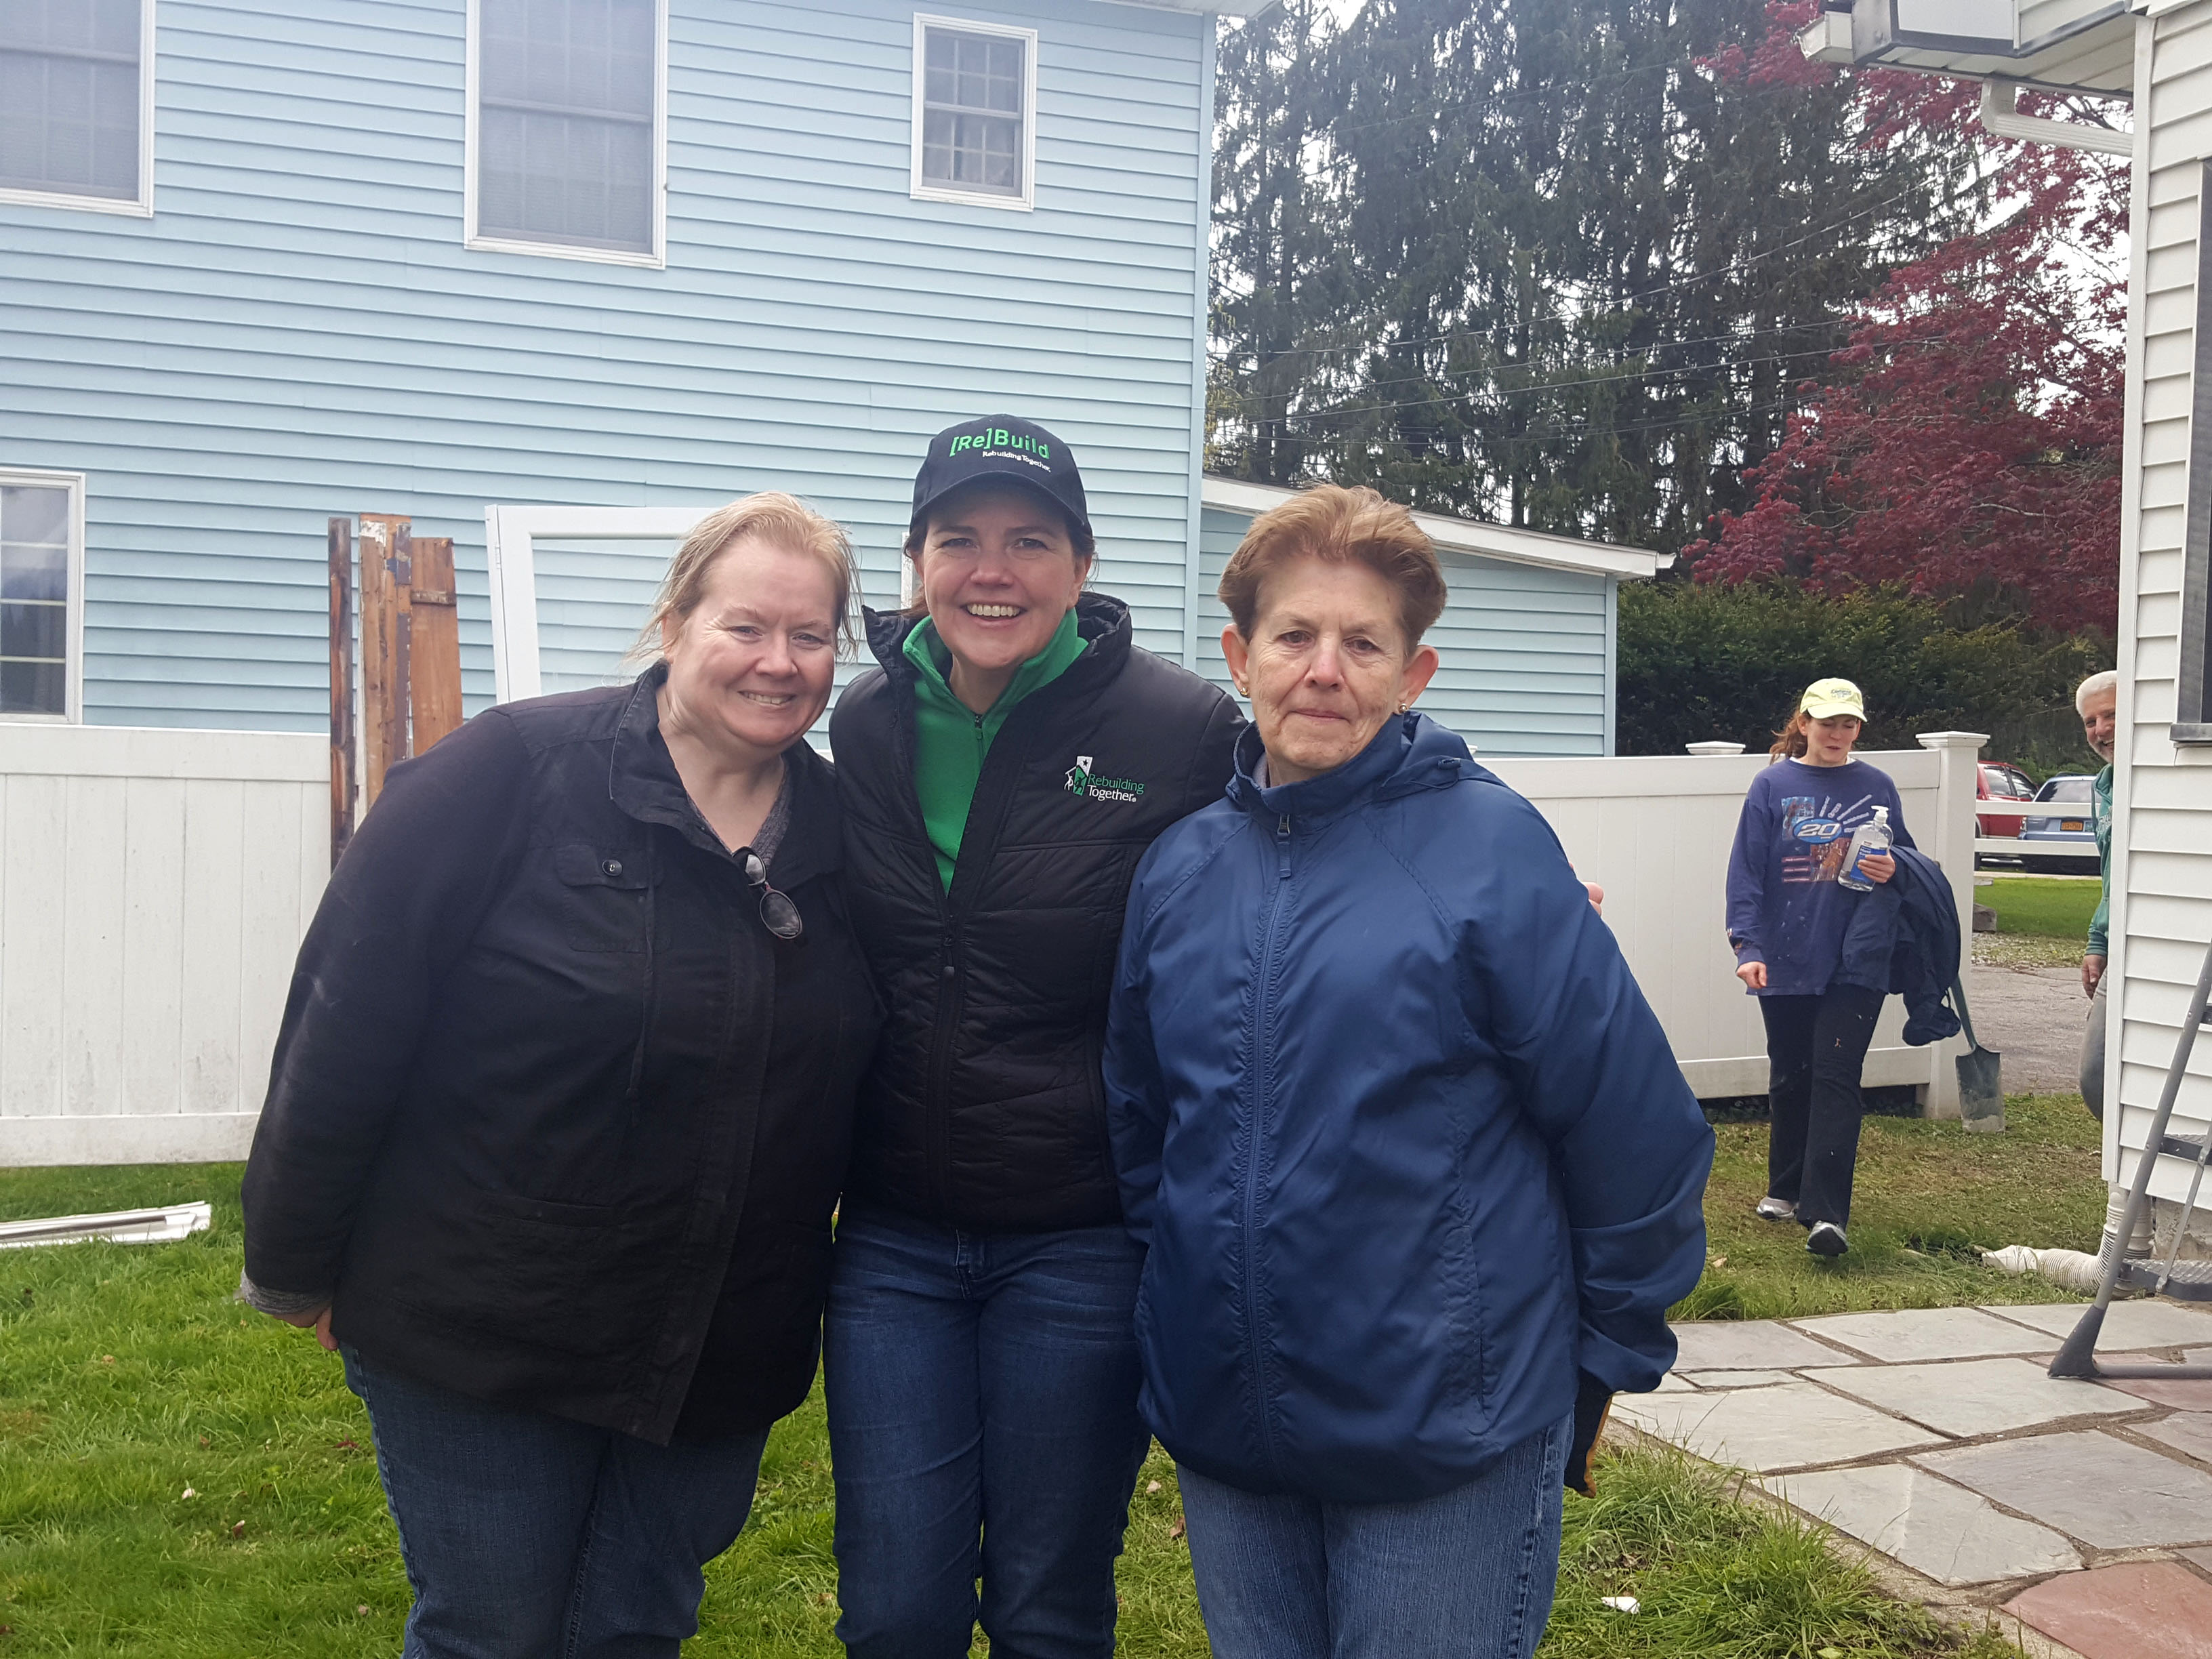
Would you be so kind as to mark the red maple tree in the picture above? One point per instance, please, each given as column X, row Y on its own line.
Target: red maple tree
column 1966, row 440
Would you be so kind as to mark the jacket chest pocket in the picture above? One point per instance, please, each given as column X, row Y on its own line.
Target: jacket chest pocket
column 606, row 897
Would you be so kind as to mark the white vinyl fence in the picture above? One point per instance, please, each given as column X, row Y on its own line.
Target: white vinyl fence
column 154, row 886
column 1654, row 830
column 154, row 889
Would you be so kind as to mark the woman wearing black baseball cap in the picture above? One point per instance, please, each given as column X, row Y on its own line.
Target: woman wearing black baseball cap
column 1001, row 775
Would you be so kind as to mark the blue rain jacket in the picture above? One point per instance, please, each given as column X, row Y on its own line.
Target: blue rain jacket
column 1405, row 1141
column 1904, row 937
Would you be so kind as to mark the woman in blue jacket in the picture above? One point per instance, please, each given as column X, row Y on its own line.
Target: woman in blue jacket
column 1787, row 918
column 1416, row 1171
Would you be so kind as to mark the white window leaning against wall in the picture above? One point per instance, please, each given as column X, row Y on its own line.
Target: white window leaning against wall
column 41, row 594
column 567, row 128
column 77, row 104
column 974, row 112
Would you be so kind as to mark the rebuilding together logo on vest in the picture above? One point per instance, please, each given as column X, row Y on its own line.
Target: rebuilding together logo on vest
column 1082, row 781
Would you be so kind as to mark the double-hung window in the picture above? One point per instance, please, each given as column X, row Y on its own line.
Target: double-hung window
column 41, row 593
column 567, row 109
column 974, row 102
column 76, row 95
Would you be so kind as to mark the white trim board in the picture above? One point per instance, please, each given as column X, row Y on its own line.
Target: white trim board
column 127, row 1138
column 49, row 749
column 1490, row 541
column 510, row 554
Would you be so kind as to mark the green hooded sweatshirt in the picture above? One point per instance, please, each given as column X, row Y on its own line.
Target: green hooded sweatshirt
column 951, row 740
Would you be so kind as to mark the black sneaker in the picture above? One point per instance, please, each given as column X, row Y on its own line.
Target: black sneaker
column 1776, row 1209
column 1826, row 1239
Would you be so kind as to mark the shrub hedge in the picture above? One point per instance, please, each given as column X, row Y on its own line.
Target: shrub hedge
column 1700, row 660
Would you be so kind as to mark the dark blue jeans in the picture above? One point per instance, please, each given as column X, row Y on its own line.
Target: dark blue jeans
column 982, row 1393
column 1468, row 1574
column 1816, row 1050
column 526, row 1537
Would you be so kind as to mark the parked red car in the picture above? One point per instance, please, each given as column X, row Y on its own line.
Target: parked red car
column 1995, row 780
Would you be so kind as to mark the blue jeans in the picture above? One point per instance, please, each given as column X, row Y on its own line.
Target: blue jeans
column 1468, row 1574
column 526, row 1537
column 982, row 1393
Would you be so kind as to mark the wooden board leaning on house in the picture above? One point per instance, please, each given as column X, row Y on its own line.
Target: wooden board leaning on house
column 411, row 657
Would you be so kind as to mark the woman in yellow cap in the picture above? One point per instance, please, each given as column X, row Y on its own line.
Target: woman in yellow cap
column 1787, row 914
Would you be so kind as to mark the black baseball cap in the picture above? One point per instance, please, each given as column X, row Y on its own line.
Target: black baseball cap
column 1002, row 448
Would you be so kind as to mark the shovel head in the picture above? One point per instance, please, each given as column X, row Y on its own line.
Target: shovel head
column 1981, row 1092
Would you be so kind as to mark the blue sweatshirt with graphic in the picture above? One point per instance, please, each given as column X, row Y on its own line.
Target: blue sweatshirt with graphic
column 1785, row 908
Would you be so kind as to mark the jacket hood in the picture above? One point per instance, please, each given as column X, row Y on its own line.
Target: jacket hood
column 1102, row 620
column 1411, row 753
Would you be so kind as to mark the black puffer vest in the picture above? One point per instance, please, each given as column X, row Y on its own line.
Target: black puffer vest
column 983, row 1107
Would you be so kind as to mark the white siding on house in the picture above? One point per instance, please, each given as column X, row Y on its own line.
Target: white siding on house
column 299, row 331
column 1527, row 652
column 2163, row 903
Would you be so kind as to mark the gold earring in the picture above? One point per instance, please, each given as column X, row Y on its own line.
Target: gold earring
column 1405, row 708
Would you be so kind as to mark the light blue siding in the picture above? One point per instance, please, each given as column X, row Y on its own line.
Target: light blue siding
column 1527, row 652
column 298, row 331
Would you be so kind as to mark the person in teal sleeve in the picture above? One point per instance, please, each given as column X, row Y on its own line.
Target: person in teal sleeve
column 2097, row 700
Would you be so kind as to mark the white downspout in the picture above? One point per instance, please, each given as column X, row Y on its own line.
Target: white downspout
column 2001, row 115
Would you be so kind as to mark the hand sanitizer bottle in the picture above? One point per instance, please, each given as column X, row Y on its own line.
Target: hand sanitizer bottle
column 1872, row 837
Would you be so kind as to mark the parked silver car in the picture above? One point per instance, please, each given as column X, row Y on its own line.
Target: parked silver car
column 2069, row 830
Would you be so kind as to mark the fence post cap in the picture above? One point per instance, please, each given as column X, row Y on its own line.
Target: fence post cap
column 1715, row 746
column 1973, row 740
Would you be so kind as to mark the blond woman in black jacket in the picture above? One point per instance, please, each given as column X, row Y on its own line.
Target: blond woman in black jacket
column 560, row 1106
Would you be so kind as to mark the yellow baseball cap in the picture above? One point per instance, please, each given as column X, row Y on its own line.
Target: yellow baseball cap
column 1827, row 699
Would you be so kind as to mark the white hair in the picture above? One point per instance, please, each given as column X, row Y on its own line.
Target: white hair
column 2108, row 681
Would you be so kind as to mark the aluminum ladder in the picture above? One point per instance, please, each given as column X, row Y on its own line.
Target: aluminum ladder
column 2190, row 1281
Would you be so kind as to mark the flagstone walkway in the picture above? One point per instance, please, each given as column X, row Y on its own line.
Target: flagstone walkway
column 1935, row 1438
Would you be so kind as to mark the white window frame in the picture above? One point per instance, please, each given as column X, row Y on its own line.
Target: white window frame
column 511, row 534
column 475, row 240
column 73, row 673
column 928, row 190
column 143, row 206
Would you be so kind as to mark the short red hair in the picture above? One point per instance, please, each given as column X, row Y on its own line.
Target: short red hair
column 1341, row 525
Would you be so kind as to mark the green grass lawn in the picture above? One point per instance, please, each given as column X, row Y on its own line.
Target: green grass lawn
column 1927, row 1196
column 2042, row 907
column 128, row 1375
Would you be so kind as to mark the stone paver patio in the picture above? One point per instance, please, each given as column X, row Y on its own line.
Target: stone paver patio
column 1935, row 1437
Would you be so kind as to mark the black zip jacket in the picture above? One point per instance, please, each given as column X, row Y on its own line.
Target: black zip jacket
column 555, row 1116
column 983, row 1109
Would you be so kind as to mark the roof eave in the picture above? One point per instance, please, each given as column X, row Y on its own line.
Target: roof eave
column 1470, row 536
